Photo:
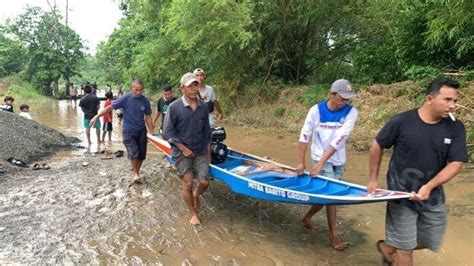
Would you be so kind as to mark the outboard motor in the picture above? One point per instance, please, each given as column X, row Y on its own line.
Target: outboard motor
column 219, row 150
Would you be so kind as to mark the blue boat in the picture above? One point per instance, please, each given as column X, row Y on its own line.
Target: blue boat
column 263, row 179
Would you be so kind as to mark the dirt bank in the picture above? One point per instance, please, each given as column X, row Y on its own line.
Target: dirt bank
column 28, row 140
column 376, row 104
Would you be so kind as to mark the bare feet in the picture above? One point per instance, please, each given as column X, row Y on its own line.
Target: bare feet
column 307, row 223
column 337, row 244
column 194, row 220
column 197, row 203
column 137, row 179
column 386, row 252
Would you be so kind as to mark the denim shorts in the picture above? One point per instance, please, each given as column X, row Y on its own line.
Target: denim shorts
column 198, row 166
column 136, row 144
column 331, row 171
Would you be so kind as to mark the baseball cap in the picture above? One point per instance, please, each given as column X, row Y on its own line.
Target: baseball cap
column 188, row 78
column 344, row 88
column 199, row 71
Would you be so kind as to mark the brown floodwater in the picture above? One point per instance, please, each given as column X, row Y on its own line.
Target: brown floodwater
column 92, row 215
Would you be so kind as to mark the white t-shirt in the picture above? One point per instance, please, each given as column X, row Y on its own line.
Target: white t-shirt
column 208, row 95
column 328, row 128
column 25, row 115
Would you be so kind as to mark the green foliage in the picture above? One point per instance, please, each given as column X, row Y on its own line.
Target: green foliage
column 279, row 111
column 12, row 55
column 53, row 49
column 314, row 94
column 91, row 71
column 416, row 72
column 256, row 44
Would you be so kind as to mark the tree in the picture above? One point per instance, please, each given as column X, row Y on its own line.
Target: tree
column 12, row 55
column 54, row 50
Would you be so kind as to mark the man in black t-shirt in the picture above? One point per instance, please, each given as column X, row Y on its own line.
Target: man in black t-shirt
column 90, row 105
column 163, row 104
column 429, row 149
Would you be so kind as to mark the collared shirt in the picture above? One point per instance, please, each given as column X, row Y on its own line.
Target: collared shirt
column 187, row 126
column 135, row 108
column 328, row 128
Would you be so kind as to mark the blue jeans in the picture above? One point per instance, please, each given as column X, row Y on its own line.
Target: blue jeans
column 331, row 171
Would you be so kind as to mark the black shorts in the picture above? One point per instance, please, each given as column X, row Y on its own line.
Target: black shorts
column 107, row 126
column 136, row 144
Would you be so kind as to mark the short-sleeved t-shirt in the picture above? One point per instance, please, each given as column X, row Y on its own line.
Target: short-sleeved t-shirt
column 135, row 108
column 163, row 106
column 420, row 151
column 89, row 105
column 6, row 107
column 108, row 117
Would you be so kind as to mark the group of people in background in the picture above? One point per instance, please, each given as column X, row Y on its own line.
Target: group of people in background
column 7, row 106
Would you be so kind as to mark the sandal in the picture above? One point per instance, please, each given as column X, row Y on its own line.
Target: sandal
column 385, row 260
column 106, row 157
column 45, row 166
column 118, row 153
column 341, row 246
column 37, row 166
column 17, row 162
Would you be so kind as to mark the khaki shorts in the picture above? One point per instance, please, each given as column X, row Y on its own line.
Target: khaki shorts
column 198, row 166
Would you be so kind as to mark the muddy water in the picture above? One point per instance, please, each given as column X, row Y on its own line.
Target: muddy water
column 76, row 214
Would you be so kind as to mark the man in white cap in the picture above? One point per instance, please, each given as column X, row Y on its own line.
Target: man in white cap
column 188, row 131
column 329, row 123
column 207, row 94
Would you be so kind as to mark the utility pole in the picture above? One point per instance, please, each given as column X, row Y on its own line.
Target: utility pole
column 68, row 81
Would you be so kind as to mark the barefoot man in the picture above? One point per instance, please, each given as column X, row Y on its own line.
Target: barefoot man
column 329, row 123
column 429, row 149
column 187, row 130
column 136, row 114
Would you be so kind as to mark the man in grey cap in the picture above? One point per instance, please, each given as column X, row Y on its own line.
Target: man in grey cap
column 329, row 123
column 188, row 131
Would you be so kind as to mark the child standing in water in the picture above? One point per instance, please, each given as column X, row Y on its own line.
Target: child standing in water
column 25, row 111
column 107, row 127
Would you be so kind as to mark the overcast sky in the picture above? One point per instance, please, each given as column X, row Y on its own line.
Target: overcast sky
column 93, row 20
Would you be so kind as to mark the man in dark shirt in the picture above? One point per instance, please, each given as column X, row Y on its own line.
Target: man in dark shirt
column 429, row 149
column 188, row 131
column 136, row 118
column 8, row 106
column 163, row 104
column 90, row 105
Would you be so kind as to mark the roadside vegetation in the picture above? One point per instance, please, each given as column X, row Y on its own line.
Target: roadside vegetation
column 269, row 61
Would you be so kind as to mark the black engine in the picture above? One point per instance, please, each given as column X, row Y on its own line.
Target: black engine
column 219, row 150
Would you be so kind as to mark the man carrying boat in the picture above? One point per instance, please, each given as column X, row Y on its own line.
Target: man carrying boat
column 188, row 131
column 429, row 149
column 329, row 123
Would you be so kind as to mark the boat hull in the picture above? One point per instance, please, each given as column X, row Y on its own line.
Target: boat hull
column 259, row 178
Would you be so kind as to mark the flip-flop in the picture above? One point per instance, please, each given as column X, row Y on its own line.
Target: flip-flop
column 106, row 157
column 37, row 166
column 385, row 260
column 118, row 153
column 45, row 166
column 341, row 246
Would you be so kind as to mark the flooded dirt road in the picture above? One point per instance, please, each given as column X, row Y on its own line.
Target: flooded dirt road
column 76, row 214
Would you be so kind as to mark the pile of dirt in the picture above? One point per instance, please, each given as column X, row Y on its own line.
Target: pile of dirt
column 28, row 140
